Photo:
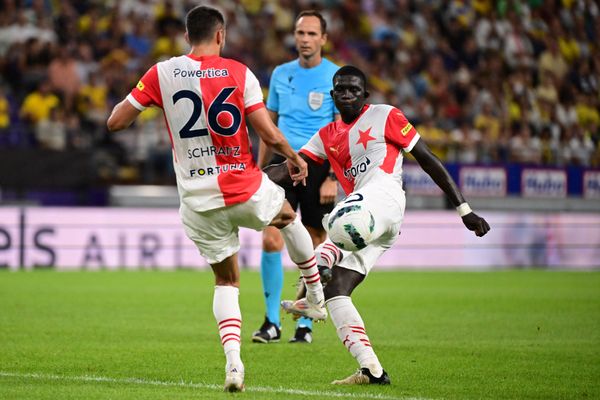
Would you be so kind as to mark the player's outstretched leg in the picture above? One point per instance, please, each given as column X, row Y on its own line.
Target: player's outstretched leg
column 327, row 255
column 299, row 245
column 351, row 331
column 226, row 309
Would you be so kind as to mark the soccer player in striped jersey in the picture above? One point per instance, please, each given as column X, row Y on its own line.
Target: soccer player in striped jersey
column 206, row 100
column 365, row 151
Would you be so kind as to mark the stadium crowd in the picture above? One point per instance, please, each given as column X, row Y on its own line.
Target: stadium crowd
column 484, row 81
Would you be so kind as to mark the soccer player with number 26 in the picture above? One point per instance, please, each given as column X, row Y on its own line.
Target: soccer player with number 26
column 206, row 100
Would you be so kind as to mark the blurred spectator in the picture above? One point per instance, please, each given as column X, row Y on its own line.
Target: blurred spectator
column 487, row 121
column 51, row 133
column 437, row 139
column 566, row 113
column 584, row 78
column 587, row 110
column 4, row 112
column 63, row 73
column 582, row 147
column 525, row 148
column 464, row 144
column 92, row 103
column 518, row 49
column 549, row 147
column 551, row 60
column 38, row 104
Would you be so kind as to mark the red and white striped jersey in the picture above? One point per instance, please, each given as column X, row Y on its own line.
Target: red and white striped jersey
column 205, row 101
column 366, row 150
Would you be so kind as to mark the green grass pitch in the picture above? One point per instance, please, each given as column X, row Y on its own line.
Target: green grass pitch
column 440, row 335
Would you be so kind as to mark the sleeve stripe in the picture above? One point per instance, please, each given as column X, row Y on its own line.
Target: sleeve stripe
column 252, row 108
column 413, row 142
column 135, row 103
column 312, row 156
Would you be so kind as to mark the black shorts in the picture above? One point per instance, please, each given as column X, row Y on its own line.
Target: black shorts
column 308, row 197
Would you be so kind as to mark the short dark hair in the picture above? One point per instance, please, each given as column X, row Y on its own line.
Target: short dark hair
column 352, row 71
column 201, row 23
column 313, row 13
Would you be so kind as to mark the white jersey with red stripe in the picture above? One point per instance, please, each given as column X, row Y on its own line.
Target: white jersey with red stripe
column 366, row 151
column 205, row 101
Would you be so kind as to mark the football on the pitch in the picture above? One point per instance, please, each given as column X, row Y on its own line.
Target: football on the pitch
column 351, row 227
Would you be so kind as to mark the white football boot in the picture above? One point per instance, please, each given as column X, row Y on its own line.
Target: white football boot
column 305, row 308
column 234, row 380
column 364, row 377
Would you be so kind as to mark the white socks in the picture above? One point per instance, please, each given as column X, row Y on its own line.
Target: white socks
column 351, row 331
column 226, row 309
column 300, row 248
column 328, row 254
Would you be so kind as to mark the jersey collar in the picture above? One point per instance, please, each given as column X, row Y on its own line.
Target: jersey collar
column 201, row 58
column 345, row 125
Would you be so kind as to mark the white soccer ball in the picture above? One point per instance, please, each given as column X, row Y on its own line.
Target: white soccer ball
column 351, row 227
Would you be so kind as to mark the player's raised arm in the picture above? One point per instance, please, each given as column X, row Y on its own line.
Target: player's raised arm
column 272, row 137
column 434, row 168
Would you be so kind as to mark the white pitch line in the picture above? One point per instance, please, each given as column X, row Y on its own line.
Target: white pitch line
column 182, row 383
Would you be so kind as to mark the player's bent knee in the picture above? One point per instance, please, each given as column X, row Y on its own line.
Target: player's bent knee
column 286, row 216
column 272, row 241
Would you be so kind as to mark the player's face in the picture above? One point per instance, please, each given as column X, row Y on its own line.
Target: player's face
column 309, row 38
column 349, row 95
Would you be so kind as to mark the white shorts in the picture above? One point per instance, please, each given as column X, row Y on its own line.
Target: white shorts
column 215, row 232
column 386, row 202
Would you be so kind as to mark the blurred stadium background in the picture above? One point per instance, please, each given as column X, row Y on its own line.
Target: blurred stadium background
column 506, row 93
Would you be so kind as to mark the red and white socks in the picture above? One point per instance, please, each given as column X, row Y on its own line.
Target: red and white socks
column 300, row 248
column 328, row 254
column 226, row 309
column 351, row 331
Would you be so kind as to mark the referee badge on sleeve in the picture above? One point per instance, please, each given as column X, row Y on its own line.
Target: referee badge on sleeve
column 315, row 100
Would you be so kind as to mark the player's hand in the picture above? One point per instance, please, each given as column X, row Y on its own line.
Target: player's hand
column 298, row 170
column 475, row 223
column 328, row 191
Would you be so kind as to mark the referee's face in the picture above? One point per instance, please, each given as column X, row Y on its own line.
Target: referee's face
column 309, row 38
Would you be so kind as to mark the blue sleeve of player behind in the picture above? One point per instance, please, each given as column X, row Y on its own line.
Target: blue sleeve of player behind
column 273, row 97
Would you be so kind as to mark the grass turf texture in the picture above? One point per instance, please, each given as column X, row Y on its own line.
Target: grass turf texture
column 451, row 335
